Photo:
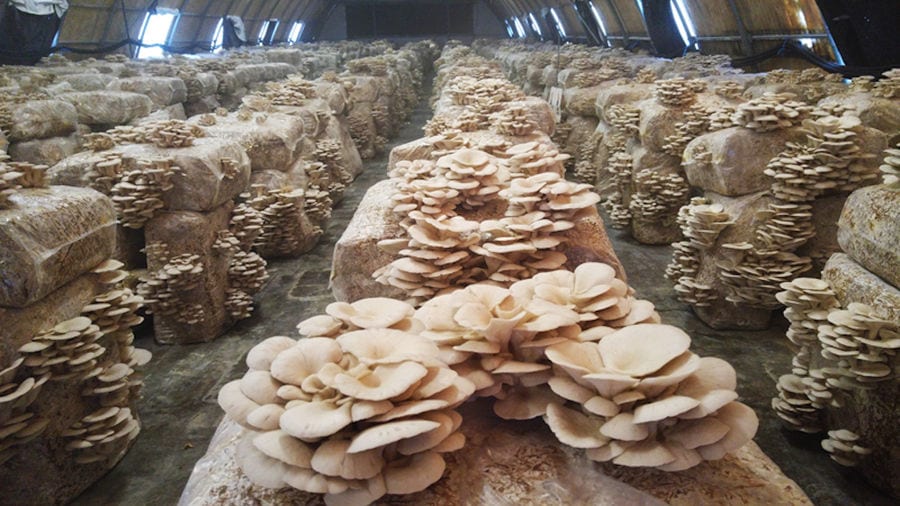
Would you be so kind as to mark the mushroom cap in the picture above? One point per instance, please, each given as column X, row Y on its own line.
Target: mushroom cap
column 390, row 432
column 307, row 357
column 235, row 404
column 319, row 325
column 385, row 382
column 623, row 428
column 388, row 346
column 332, row 459
column 313, row 420
column 375, row 312
column 261, row 469
column 414, row 474
column 640, row 350
column 282, row 446
column 373, row 490
column 574, row 428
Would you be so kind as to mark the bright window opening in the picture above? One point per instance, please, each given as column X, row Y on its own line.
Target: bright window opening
column 534, row 25
column 509, row 29
column 519, row 28
column 296, row 32
column 808, row 42
column 157, row 29
column 683, row 22
column 218, row 36
column 599, row 19
column 267, row 32
column 559, row 25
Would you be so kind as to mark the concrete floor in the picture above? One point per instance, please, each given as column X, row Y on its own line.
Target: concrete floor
column 180, row 413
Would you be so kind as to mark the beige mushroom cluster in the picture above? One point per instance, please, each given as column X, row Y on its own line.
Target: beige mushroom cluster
column 166, row 291
column 138, row 194
column 753, row 276
column 863, row 344
column 729, row 89
column 625, row 118
column 657, row 196
column 549, row 192
column 361, row 134
column 701, row 223
column 531, row 158
column 284, row 226
column 29, row 175
column 496, row 336
column 68, row 351
column 646, row 75
column 845, row 447
column 615, row 204
column 586, row 170
column 720, row 118
column 785, row 227
column 173, row 133
column 587, row 78
column 466, row 90
column 106, row 172
column 360, row 408
column 640, row 398
column 476, row 175
column 693, row 123
column 889, row 85
column 98, row 141
column 246, row 224
column 9, row 183
column 17, row 424
column 102, row 435
column 292, row 92
column 438, row 124
column 772, row 111
column 890, row 169
column 317, row 205
column 678, row 91
column 247, row 272
column 514, row 121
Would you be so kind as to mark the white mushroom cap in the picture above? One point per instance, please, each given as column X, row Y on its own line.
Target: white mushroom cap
column 280, row 445
column 574, row 428
column 373, row 490
column 384, row 382
column 388, row 346
column 313, row 420
column 640, row 350
column 260, row 356
column 235, row 404
column 258, row 467
column 307, row 357
column 391, row 432
column 414, row 474
column 331, row 458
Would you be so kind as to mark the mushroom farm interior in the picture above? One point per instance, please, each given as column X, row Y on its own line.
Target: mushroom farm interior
column 468, row 252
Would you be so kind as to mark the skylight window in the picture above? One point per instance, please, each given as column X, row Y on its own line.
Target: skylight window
column 599, row 19
column 534, row 25
column 509, row 29
column 683, row 22
column 296, row 32
column 559, row 25
column 267, row 32
column 157, row 29
column 218, row 35
column 519, row 28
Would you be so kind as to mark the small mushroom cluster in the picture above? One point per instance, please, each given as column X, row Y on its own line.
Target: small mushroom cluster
column 514, row 121
column 701, row 223
column 106, row 172
column 247, row 272
column 620, row 167
column 678, row 91
column 496, row 336
column 889, row 85
column 99, row 141
column 720, row 117
column 863, row 344
column 284, row 231
column 890, row 169
column 102, row 435
column 549, row 192
column 594, row 76
column 328, row 153
column 624, row 118
column 67, row 352
column 845, row 447
column 772, row 111
column 173, row 133
column 466, row 90
column 476, row 175
column 657, row 196
column 729, row 89
column 753, row 277
column 641, row 398
column 785, row 227
column 531, row 158
column 138, row 193
column 9, row 183
column 246, row 224
column 360, row 408
column 694, row 122
column 166, row 290
column 17, row 424
column 586, row 170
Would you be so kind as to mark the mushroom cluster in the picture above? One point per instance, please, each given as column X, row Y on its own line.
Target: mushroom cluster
column 98, row 141
column 68, row 351
column 624, row 118
column 166, row 291
column 496, row 336
column 9, row 183
column 105, row 172
column 246, row 224
column 845, row 447
column 701, row 223
column 890, row 169
column 641, row 398
column 772, row 111
column 863, row 344
column 694, row 122
column 678, row 91
column 615, row 204
column 753, row 276
column 729, row 89
column 328, row 153
column 889, row 85
column 138, row 193
column 476, row 175
column 173, row 133
column 285, row 229
column 466, row 90
column 514, row 121
column 361, row 407
column 720, row 117
column 17, row 424
column 657, row 196
column 102, row 435
column 550, row 193
column 586, row 170
column 531, row 158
